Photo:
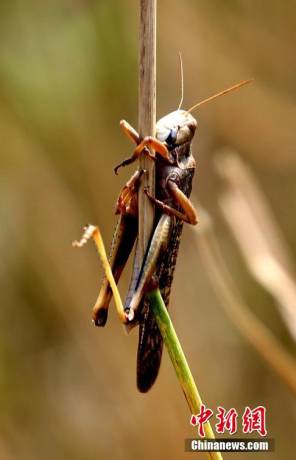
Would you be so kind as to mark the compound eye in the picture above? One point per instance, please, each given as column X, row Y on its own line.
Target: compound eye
column 171, row 139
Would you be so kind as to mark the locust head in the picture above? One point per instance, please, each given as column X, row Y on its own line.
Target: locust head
column 176, row 128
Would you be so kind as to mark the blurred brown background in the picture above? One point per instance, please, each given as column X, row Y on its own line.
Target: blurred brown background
column 68, row 74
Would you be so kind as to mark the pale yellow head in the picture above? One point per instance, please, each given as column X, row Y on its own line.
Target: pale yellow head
column 176, row 128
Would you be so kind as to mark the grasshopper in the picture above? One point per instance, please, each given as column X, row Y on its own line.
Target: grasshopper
column 174, row 171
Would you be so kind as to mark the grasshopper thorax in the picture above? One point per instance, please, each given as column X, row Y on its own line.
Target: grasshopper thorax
column 176, row 128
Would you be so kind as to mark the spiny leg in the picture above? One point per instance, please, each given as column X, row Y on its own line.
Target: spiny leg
column 134, row 136
column 123, row 240
column 122, row 243
column 133, row 158
column 189, row 215
column 181, row 199
column 127, row 201
column 130, row 132
column 156, row 145
column 143, row 145
column 158, row 243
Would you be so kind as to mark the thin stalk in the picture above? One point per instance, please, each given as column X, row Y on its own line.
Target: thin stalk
column 91, row 231
column 147, row 115
column 179, row 362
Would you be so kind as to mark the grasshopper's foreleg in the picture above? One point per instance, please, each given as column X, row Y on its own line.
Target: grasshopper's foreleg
column 189, row 213
column 130, row 132
column 134, row 136
column 142, row 146
column 158, row 243
column 156, row 145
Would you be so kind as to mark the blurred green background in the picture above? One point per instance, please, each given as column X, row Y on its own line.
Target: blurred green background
column 68, row 74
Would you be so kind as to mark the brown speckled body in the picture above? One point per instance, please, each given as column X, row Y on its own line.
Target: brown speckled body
column 150, row 340
column 182, row 176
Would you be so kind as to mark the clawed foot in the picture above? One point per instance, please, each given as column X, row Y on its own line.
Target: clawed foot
column 133, row 158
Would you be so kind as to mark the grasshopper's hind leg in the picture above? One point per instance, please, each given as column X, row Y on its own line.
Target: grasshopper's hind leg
column 122, row 243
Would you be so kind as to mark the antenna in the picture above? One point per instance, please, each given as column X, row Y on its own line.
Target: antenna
column 182, row 80
column 221, row 93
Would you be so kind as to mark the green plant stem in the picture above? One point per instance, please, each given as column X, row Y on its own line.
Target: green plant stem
column 179, row 362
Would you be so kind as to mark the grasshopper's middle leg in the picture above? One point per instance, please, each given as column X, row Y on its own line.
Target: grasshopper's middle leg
column 189, row 213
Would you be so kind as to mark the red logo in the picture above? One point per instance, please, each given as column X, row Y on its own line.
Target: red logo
column 252, row 420
column 255, row 420
column 227, row 420
column 200, row 419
